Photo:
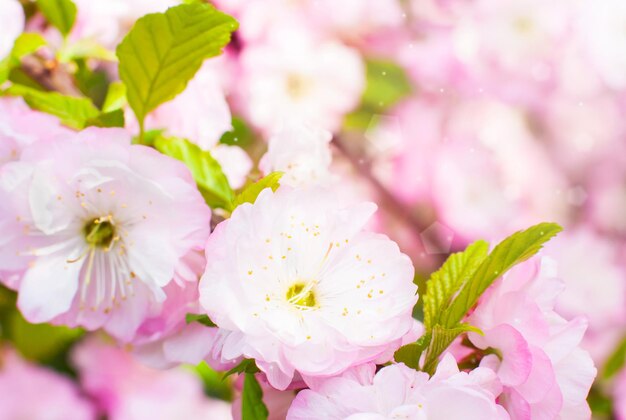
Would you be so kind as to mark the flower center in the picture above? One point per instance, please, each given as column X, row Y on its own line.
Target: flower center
column 301, row 296
column 297, row 85
column 100, row 232
column 524, row 24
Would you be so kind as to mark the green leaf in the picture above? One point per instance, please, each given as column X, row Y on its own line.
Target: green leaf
column 252, row 191
column 83, row 49
column 108, row 119
column 116, row 97
column 42, row 342
column 163, row 51
column 73, row 112
column 410, row 354
column 616, row 361
column 25, row 44
column 241, row 135
column 446, row 282
column 206, row 171
column 441, row 339
column 387, row 84
column 200, row 318
column 516, row 248
column 214, row 385
column 149, row 137
column 246, row 365
column 252, row 406
column 60, row 13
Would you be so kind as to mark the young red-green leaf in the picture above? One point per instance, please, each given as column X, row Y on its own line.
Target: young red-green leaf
column 206, row 171
column 516, row 248
column 163, row 51
column 252, row 191
column 252, row 406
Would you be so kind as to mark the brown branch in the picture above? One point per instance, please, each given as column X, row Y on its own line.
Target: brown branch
column 50, row 74
column 387, row 199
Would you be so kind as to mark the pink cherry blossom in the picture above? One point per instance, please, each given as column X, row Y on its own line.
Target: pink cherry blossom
column 544, row 372
column 165, row 338
column 300, row 77
column 93, row 212
column 235, row 163
column 106, row 22
column 397, row 391
column 294, row 283
column 580, row 255
column 34, row 392
column 12, row 23
column 20, row 127
column 349, row 19
column 125, row 390
column 302, row 153
column 602, row 28
column 199, row 114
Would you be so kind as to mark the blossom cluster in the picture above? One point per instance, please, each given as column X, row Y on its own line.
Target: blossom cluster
column 270, row 209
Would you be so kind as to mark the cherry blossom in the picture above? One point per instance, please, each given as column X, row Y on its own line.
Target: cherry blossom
column 34, row 392
column 537, row 355
column 124, row 389
column 400, row 392
column 302, row 153
column 93, row 213
column 300, row 77
column 12, row 23
column 20, row 127
column 299, row 287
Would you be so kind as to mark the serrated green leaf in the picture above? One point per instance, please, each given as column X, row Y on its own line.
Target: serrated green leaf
column 246, row 365
column 199, row 318
column 252, row 191
column 115, row 98
column 516, row 248
column 616, row 361
column 60, row 13
column 446, row 282
column 440, row 340
column 410, row 354
column 163, row 51
column 73, row 112
column 252, row 406
column 206, row 171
